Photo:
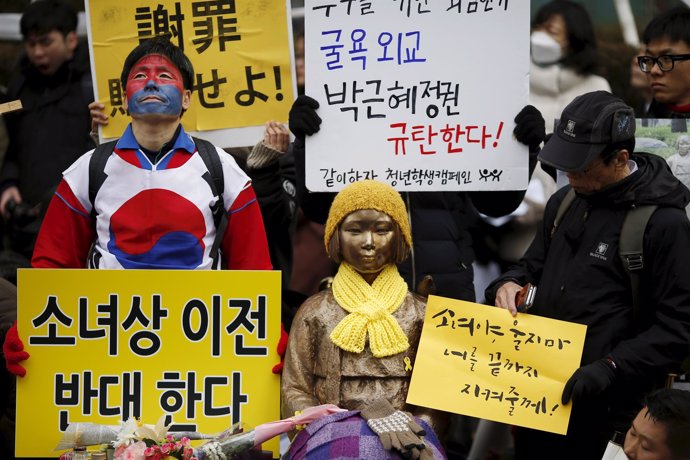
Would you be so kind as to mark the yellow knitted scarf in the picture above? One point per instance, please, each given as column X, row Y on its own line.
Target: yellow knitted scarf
column 369, row 308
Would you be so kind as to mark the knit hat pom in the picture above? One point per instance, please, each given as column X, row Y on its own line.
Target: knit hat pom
column 368, row 194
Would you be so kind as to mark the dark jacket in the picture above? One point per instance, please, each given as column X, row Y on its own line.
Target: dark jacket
column 8, row 385
column 581, row 279
column 441, row 224
column 659, row 110
column 52, row 129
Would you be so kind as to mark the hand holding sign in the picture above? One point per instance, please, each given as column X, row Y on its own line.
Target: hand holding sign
column 13, row 349
column 303, row 119
column 590, row 380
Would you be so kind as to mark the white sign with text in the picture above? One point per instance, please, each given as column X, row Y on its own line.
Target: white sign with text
column 418, row 94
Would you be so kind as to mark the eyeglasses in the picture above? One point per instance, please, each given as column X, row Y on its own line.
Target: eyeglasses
column 664, row 62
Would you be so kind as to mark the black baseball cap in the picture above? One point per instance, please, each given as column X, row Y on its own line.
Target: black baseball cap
column 589, row 124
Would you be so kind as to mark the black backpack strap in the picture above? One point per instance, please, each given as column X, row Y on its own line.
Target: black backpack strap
column 97, row 176
column 216, row 180
column 562, row 209
column 97, row 173
column 630, row 249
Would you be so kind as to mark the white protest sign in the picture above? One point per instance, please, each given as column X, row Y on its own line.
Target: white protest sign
column 419, row 94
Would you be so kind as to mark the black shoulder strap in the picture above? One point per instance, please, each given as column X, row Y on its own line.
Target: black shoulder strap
column 97, row 173
column 562, row 209
column 630, row 249
column 216, row 181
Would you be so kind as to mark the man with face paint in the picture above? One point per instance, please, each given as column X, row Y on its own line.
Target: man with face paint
column 153, row 209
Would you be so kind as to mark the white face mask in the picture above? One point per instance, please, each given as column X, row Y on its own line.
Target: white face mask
column 545, row 49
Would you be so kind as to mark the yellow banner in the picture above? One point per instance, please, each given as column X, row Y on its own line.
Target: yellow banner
column 240, row 50
column 197, row 346
column 480, row 361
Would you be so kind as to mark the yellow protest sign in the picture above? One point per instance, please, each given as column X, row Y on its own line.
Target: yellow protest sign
column 196, row 346
column 480, row 361
column 241, row 52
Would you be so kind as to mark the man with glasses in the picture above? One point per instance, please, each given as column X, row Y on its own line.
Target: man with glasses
column 666, row 62
column 580, row 277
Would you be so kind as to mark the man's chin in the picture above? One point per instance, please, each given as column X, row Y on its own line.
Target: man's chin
column 151, row 116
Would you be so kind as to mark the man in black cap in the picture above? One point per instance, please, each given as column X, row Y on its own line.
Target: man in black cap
column 580, row 277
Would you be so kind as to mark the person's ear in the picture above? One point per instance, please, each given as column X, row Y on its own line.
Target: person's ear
column 186, row 99
column 71, row 40
column 622, row 158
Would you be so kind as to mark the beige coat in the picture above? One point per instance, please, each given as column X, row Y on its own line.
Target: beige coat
column 318, row 372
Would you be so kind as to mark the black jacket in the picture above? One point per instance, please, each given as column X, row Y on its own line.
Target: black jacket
column 441, row 224
column 581, row 279
column 52, row 129
column 659, row 110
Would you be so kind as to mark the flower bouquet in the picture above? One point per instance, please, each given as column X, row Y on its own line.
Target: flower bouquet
column 136, row 441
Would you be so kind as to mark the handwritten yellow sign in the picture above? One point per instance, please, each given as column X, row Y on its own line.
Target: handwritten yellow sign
column 197, row 346
column 240, row 51
column 480, row 361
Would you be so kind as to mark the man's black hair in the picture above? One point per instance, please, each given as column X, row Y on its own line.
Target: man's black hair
column 160, row 45
column 45, row 16
column 581, row 41
column 673, row 24
column 671, row 408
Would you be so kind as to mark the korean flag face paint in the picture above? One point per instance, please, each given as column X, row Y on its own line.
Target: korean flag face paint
column 154, row 86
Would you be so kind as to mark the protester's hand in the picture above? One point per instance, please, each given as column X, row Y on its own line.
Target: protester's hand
column 98, row 115
column 530, row 128
column 276, row 136
column 13, row 349
column 590, row 380
column 282, row 346
column 9, row 194
column 505, row 296
column 303, row 119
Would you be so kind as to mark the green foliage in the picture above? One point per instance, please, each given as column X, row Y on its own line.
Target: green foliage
column 660, row 132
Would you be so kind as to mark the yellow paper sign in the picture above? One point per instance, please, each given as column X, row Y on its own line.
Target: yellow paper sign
column 197, row 346
column 240, row 51
column 480, row 361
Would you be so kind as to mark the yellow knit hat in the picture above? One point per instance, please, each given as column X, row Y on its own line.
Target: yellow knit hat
column 368, row 194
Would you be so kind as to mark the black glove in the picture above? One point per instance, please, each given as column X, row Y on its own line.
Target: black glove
column 590, row 380
column 530, row 128
column 303, row 119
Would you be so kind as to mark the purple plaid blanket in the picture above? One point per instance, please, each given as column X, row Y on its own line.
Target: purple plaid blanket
column 347, row 436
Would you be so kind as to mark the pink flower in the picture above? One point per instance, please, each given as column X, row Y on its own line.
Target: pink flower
column 135, row 451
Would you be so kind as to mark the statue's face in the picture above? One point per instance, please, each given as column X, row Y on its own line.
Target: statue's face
column 683, row 145
column 368, row 240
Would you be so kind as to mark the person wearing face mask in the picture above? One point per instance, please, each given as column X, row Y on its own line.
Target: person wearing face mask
column 564, row 57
